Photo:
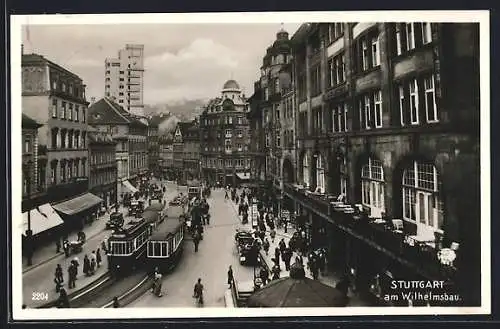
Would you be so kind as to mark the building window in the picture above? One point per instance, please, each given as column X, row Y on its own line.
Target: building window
column 277, row 86
column 63, row 87
column 367, row 111
column 421, row 202
column 53, row 171
column 27, row 146
column 335, row 31
column 70, row 111
column 375, row 54
column 414, row 101
column 316, row 81
column 430, row 99
column 228, row 145
column 240, row 120
column 230, row 120
column 402, row 102
column 63, row 171
column 336, row 70
column 320, row 174
column 77, row 110
column 228, row 133
column 84, row 115
column 372, row 186
column 369, row 51
column 426, row 33
column 63, row 110
column 412, row 35
column 305, row 170
column 339, row 117
column 54, row 108
column 378, row 108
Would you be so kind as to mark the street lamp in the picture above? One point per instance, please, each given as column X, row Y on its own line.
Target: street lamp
column 29, row 232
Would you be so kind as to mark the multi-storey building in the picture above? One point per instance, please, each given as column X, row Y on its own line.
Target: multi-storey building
column 274, row 82
column 225, row 137
column 387, row 118
column 31, row 188
column 103, row 169
column 166, row 161
column 191, row 138
column 153, row 145
column 124, row 78
column 130, row 134
column 55, row 97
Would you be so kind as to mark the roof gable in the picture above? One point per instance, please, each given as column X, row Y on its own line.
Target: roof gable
column 103, row 111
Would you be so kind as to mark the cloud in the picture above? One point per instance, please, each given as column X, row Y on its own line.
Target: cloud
column 182, row 61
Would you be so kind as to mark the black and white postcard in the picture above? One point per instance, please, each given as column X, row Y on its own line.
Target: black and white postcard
column 250, row 164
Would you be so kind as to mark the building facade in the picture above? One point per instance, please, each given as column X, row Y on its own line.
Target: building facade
column 103, row 168
column 55, row 97
column 225, row 137
column 192, row 151
column 153, row 143
column 124, row 78
column 31, row 188
column 130, row 135
column 166, row 160
column 385, row 121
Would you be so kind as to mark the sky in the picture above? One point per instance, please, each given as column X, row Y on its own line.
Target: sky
column 182, row 61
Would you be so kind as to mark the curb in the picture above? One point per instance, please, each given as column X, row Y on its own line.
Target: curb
column 55, row 256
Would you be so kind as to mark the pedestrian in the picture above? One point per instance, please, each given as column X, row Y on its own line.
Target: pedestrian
column 276, row 272
column 226, row 196
column 98, row 257
column 287, row 256
column 66, row 248
column 116, row 303
column 86, row 265
column 277, row 256
column 266, row 246
column 264, row 275
column 230, row 277
column 58, row 245
column 285, row 225
column 59, row 280
column 63, row 301
column 273, row 235
column 282, row 245
column 196, row 240
column 92, row 266
column 71, row 275
column 77, row 264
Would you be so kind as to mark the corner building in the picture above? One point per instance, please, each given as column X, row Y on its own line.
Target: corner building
column 225, row 138
column 387, row 118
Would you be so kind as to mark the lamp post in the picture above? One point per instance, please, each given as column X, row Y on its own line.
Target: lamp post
column 29, row 232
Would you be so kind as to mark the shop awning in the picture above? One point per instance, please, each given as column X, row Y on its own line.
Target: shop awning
column 129, row 186
column 41, row 220
column 243, row 176
column 78, row 204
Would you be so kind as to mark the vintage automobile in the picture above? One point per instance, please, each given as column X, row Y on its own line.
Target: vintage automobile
column 248, row 248
column 115, row 221
column 136, row 208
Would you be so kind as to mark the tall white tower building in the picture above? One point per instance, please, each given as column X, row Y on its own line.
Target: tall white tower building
column 124, row 78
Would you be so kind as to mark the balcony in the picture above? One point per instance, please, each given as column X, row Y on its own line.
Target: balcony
column 380, row 234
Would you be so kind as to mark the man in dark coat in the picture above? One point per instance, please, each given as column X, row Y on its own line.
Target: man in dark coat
column 287, row 256
column 277, row 256
column 264, row 275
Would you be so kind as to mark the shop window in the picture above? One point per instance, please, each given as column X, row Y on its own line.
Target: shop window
column 422, row 204
column 305, row 170
column 372, row 186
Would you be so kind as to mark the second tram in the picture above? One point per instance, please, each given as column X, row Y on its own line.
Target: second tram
column 166, row 243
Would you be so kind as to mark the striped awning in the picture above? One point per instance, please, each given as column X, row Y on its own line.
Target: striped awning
column 78, row 204
column 42, row 219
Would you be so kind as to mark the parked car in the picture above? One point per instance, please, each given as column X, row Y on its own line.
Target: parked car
column 248, row 247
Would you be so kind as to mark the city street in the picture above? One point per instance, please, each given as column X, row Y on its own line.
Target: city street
column 216, row 252
column 40, row 278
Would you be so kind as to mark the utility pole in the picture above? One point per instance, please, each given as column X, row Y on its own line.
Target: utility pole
column 29, row 232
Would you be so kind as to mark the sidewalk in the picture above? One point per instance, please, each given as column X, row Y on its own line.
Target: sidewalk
column 328, row 278
column 48, row 252
column 40, row 278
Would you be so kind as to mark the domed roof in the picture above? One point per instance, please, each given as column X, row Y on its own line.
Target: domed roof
column 231, row 84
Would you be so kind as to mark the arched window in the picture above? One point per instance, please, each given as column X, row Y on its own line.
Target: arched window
column 372, row 187
column 422, row 204
column 305, row 170
column 320, row 174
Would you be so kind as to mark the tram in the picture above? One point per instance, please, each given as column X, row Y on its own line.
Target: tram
column 126, row 246
column 165, row 245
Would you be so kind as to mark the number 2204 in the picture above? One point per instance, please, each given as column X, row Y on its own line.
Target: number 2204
column 40, row 296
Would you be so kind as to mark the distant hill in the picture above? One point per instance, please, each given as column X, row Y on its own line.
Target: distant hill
column 184, row 110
